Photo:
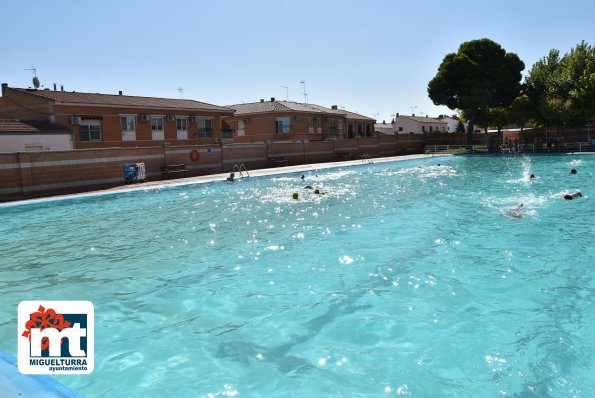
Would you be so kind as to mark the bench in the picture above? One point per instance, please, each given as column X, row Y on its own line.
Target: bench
column 278, row 159
column 166, row 171
column 344, row 155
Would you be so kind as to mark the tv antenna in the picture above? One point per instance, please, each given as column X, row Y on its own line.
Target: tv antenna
column 36, row 83
column 305, row 95
column 181, row 90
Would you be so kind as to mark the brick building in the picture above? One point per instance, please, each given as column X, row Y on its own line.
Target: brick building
column 286, row 120
column 105, row 120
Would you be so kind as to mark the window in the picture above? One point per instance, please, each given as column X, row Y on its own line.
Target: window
column 282, row 125
column 205, row 128
column 90, row 130
column 400, row 128
column 423, row 129
column 157, row 123
column 182, row 124
column 157, row 133
column 128, row 123
column 333, row 127
column 182, row 128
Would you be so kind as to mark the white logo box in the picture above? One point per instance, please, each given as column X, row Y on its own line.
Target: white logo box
column 48, row 315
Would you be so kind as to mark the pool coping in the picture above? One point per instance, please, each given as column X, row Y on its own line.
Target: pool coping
column 149, row 185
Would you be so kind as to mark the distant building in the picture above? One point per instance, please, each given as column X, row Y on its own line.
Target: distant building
column 34, row 136
column 418, row 125
column 452, row 123
column 384, row 128
column 106, row 120
column 287, row 120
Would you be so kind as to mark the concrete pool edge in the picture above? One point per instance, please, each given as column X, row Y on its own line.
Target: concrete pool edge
column 15, row 384
column 213, row 177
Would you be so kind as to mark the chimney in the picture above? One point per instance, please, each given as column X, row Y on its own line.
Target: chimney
column 4, row 89
column 334, row 107
column 397, row 114
column 120, row 92
column 384, row 122
column 54, row 86
column 426, row 115
column 413, row 115
column 261, row 100
column 61, row 87
column 272, row 99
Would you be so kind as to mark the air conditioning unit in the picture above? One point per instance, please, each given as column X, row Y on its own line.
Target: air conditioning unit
column 75, row 120
column 170, row 118
column 144, row 118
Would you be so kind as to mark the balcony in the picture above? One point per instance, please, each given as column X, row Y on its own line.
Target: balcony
column 205, row 133
column 227, row 133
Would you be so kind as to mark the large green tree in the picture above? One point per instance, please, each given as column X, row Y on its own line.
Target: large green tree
column 561, row 90
column 477, row 78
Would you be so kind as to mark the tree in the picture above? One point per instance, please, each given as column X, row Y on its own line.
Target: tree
column 460, row 127
column 480, row 76
column 561, row 91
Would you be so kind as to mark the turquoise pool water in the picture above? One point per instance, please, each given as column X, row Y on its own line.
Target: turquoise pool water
column 405, row 278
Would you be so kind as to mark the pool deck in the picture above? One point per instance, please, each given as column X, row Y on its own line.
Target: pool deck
column 216, row 177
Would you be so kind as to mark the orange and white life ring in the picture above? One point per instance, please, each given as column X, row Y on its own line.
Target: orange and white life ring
column 194, row 155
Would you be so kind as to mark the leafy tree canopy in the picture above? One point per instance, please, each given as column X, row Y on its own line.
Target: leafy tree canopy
column 480, row 76
column 561, row 90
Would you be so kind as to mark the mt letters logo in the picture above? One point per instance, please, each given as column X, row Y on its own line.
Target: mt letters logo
column 55, row 337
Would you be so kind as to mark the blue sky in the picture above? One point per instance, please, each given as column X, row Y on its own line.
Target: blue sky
column 374, row 57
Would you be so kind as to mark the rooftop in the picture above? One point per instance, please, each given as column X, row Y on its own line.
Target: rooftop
column 20, row 126
column 73, row 97
column 290, row 106
column 423, row 119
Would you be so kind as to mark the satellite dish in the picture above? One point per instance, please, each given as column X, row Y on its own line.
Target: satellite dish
column 35, row 82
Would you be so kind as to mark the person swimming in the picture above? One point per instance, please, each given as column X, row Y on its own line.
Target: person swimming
column 231, row 177
column 515, row 212
column 573, row 171
column 532, row 177
column 574, row 195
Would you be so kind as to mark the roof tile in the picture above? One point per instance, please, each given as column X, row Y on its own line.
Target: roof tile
column 124, row 100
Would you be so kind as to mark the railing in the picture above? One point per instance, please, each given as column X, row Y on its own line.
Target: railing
column 528, row 148
column 241, row 169
column 366, row 158
column 205, row 132
column 455, row 149
column 579, row 147
column 227, row 133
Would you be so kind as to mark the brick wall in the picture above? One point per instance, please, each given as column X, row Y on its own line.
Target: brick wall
column 33, row 174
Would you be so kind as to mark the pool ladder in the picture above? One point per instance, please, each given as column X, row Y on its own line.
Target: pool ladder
column 366, row 158
column 241, row 169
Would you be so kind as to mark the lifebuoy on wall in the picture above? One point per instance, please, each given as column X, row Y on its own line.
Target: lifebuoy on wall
column 194, row 155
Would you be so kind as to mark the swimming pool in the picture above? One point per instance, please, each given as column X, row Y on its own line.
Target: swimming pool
column 402, row 278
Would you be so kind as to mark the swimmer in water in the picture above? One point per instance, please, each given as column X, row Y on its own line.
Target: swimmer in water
column 515, row 212
column 231, row 177
column 571, row 196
